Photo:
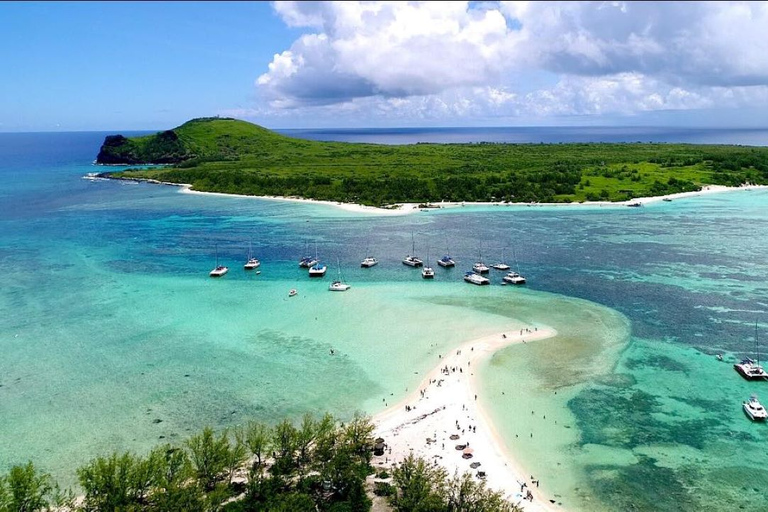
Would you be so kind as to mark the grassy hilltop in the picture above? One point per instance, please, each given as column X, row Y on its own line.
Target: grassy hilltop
column 231, row 156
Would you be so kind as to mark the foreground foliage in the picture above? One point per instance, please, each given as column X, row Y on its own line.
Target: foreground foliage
column 230, row 156
column 317, row 465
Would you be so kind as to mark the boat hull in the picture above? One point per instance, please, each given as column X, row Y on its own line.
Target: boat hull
column 413, row 262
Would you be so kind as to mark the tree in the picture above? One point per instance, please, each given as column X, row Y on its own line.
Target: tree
column 419, row 486
column 209, row 456
column 257, row 438
column 113, row 483
column 464, row 494
column 24, row 490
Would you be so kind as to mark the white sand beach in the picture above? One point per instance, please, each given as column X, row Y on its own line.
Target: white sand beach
column 445, row 405
column 411, row 208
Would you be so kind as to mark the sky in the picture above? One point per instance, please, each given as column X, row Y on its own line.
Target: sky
column 73, row 66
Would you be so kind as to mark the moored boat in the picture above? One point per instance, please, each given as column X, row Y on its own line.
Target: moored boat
column 338, row 285
column 411, row 260
column 514, row 278
column 475, row 278
column 446, row 261
column 368, row 262
column 480, row 268
column 252, row 262
column 218, row 270
column 749, row 369
column 754, row 409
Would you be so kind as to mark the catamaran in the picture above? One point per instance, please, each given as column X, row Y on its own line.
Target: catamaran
column 220, row 270
column 475, row 278
column 514, row 278
column 339, row 285
column 427, row 272
column 252, row 262
column 308, row 261
column 446, row 261
column 318, row 269
column 368, row 262
column 411, row 260
column 480, row 267
column 749, row 369
column 501, row 265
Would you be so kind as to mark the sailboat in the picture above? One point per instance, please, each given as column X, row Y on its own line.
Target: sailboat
column 220, row 270
column 480, row 267
column 446, row 261
column 307, row 261
column 252, row 262
column 427, row 272
column 318, row 269
column 369, row 260
column 749, row 369
column 514, row 277
column 411, row 260
column 339, row 285
column 501, row 265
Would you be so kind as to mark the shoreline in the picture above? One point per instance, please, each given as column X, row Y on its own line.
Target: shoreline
column 411, row 208
column 444, row 404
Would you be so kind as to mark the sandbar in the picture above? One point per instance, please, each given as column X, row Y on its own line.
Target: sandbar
column 444, row 405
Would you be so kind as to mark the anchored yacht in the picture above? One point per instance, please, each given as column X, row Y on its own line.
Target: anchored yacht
column 754, row 409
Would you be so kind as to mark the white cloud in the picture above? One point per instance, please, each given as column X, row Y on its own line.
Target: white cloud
column 442, row 60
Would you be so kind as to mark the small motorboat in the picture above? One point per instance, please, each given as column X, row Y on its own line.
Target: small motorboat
column 293, row 292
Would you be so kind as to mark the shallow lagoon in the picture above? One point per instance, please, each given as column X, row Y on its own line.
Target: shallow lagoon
column 108, row 323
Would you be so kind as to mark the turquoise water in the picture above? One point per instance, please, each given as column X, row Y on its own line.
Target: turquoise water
column 114, row 337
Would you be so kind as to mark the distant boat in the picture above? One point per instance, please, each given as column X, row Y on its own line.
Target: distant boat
column 307, row 261
column 666, row 199
column 219, row 270
column 427, row 272
column 318, row 269
column 292, row 293
column 501, row 265
column 252, row 262
column 475, row 278
column 446, row 261
column 754, row 409
column 636, row 204
column 339, row 285
column 514, row 278
column 479, row 266
column 411, row 260
column 368, row 262
column 749, row 369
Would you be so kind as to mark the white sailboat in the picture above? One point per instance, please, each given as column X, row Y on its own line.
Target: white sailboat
column 339, row 285
column 219, row 270
column 501, row 265
column 749, row 369
column 427, row 272
column 411, row 260
column 252, row 262
column 369, row 260
column 475, row 278
column 307, row 261
column 318, row 269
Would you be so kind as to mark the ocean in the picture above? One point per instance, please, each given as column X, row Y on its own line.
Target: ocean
column 114, row 337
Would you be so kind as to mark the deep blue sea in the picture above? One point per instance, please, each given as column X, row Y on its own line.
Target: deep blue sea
column 113, row 337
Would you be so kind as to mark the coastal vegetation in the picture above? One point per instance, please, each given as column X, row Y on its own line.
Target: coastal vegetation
column 235, row 157
column 315, row 465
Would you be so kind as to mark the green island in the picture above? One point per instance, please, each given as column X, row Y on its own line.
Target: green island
column 236, row 157
column 316, row 465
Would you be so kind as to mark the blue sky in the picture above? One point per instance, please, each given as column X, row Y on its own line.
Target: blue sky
column 153, row 65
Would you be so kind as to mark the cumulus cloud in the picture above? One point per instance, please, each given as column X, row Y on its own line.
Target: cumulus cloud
column 463, row 59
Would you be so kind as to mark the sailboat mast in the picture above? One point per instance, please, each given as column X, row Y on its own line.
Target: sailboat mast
column 757, row 347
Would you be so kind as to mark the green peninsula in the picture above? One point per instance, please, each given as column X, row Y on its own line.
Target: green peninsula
column 236, row 157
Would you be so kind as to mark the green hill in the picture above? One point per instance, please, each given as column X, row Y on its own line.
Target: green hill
column 231, row 156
